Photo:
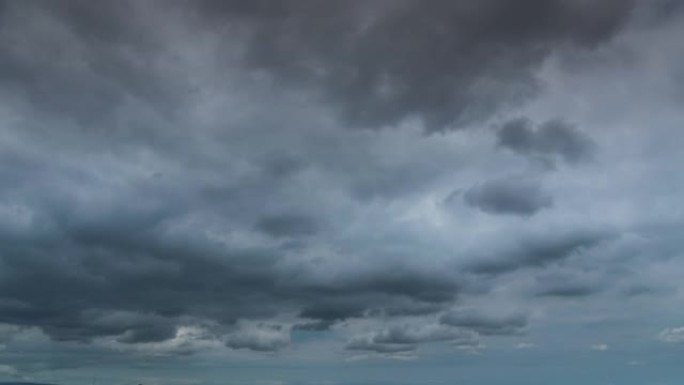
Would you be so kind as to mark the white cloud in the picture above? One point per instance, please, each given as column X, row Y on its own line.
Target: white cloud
column 260, row 338
column 600, row 347
column 672, row 335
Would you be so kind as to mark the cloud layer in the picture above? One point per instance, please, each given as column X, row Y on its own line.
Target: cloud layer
column 300, row 178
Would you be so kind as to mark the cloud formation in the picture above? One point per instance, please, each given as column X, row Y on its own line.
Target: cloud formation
column 262, row 338
column 379, row 62
column 376, row 62
column 215, row 180
column 548, row 141
column 407, row 338
column 515, row 196
column 540, row 251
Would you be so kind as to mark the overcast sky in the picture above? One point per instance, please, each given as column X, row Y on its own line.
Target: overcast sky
column 342, row 192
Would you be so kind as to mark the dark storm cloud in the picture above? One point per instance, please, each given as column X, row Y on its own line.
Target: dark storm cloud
column 660, row 11
column 446, row 63
column 516, row 196
column 551, row 139
column 486, row 324
column 85, row 63
column 393, row 290
column 127, row 219
column 130, row 268
column 377, row 61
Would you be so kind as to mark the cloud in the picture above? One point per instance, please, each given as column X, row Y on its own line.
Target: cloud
column 8, row 370
column 395, row 60
column 514, row 196
column 182, row 178
column 408, row 334
column 407, row 338
column 568, row 291
column 378, row 74
column 367, row 344
column 539, row 251
column 317, row 326
column 486, row 324
column 285, row 225
column 331, row 312
column 672, row 335
column 550, row 140
column 262, row 338
column 148, row 334
column 600, row 347
column 187, row 340
column 566, row 285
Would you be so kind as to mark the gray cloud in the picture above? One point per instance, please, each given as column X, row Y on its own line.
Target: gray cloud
column 407, row 337
column 407, row 334
column 316, row 326
column 567, row 285
column 551, row 139
column 260, row 339
column 487, row 324
column 516, row 196
column 189, row 166
column 576, row 290
column 285, row 225
column 331, row 311
column 382, row 61
column 377, row 62
column 540, row 251
column 142, row 256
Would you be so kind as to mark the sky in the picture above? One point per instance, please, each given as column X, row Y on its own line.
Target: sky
column 342, row 192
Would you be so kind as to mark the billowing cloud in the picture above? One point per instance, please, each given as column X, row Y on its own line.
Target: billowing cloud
column 224, row 180
column 261, row 338
column 380, row 62
column 377, row 62
column 549, row 140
